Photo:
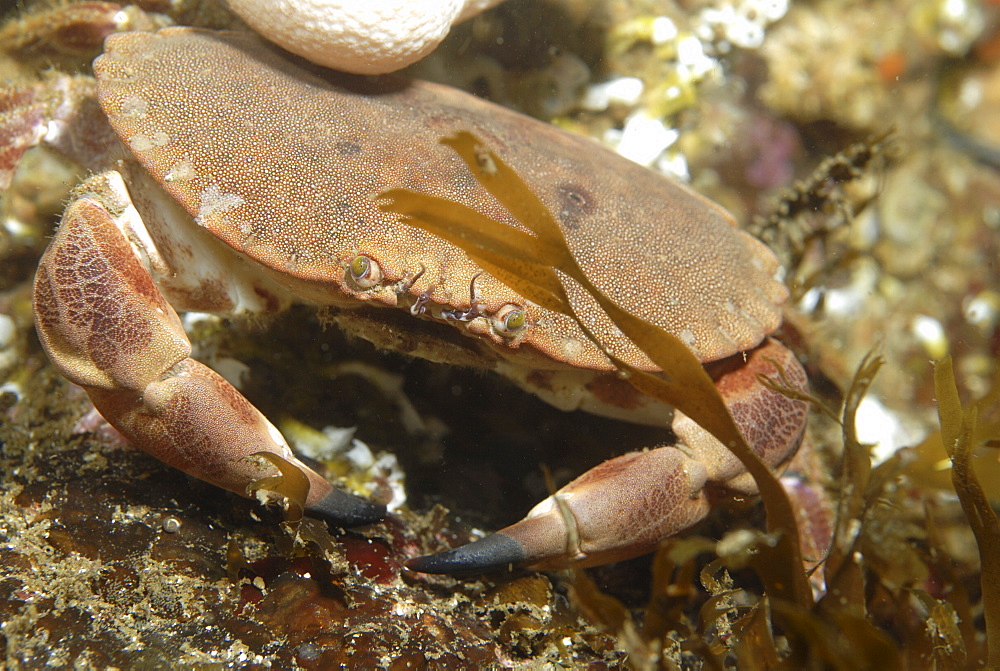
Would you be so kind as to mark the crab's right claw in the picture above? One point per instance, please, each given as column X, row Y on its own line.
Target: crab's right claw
column 341, row 509
column 620, row 509
column 108, row 328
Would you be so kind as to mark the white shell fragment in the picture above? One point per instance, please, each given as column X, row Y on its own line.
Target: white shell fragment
column 360, row 36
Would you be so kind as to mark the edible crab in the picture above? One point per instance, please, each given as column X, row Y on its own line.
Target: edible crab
column 238, row 180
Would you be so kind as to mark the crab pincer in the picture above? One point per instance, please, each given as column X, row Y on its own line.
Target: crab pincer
column 625, row 506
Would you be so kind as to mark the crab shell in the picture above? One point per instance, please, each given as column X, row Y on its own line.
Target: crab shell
column 281, row 161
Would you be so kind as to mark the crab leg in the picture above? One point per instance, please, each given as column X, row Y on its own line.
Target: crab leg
column 108, row 328
column 625, row 506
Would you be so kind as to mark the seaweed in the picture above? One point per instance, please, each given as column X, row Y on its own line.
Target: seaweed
column 958, row 430
column 291, row 484
column 814, row 213
column 844, row 580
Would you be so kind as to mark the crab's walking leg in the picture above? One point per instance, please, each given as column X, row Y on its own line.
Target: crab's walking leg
column 109, row 329
column 625, row 506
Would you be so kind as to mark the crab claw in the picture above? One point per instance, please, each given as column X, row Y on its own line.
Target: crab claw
column 625, row 506
column 108, row 328
column 619, row 509
column 343, row 510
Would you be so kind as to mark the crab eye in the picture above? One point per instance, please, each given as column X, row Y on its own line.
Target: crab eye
column 365, row 271
column 510, row 320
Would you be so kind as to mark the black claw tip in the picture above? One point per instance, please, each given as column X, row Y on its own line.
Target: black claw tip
column 497, row 551
column 343, row 510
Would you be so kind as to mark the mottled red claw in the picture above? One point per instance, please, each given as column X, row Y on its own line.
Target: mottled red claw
column 616, row 510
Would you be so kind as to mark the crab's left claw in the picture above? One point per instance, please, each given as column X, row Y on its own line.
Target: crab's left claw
column 619, row 509
column 625, row 506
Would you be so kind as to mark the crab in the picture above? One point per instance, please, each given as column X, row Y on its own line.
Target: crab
column 232, row 178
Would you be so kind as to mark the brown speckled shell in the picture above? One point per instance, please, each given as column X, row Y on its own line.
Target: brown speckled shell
column 281, row 161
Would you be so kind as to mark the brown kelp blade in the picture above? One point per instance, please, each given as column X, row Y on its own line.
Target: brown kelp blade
column 290, row 483
column 506, row 253
column 958, row 427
